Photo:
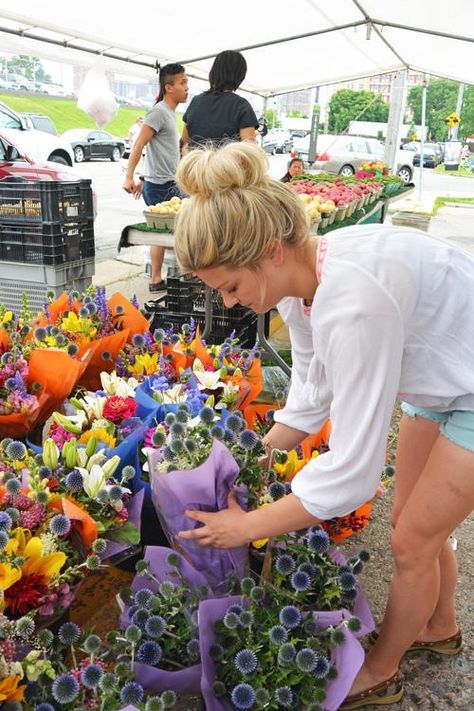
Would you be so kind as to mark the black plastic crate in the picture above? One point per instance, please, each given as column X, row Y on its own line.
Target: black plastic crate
column 46, row 201
column 224, row 321
column 46, row 243
column 187, row 294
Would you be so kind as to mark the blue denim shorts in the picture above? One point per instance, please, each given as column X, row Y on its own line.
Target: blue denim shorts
column 153, row 193
column 456, row 425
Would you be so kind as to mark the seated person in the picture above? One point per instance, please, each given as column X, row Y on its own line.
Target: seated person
column 295, row 167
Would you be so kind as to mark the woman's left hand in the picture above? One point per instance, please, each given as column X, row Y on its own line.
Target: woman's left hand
column 223, row 529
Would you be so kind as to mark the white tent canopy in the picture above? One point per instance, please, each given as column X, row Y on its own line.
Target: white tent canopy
column 288, row 44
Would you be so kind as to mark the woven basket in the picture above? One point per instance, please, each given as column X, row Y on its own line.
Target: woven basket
column 160, row 220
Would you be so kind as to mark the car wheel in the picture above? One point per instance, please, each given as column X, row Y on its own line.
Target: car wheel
column 79, row 154
column 115, row 154
column 347, row 170
column 404, row 174
column 58, row 159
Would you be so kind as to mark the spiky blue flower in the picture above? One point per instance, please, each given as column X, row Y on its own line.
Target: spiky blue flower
column 99, row 545
column 16, row 450
column 158, row 335
column 300, row 581
column 290, row 616
column 65, row 689
column 284, row 696
column 216, row 652
column 44, row 472
column 5, row 521
column 13, row 513
column 177, row 445
column 347, row 581
column 310, row 627
column 115, row 493
column 60, row 525
column 74, row 480
column 149, row 653
column 285, row 564
column 13, row 487
column 168, row 454
column 44, row 706
column 133, row 634
column 192, row 649
column 235, row 608
column 248, row 439
column 278, row 634
column 92, row 644
column 243, row 696
column 206, row 415
column 128, row 473
column 45, row 638
column 322, row 667
column 132, row 693
column 72, row 349
column 173, row 560
column 169, row 698
column 25, row 627
column 235, row 423
column 306, row 660
column 138, row 340
column 286, row 653
column 257, row 594
column 40, row 333
column 143, row 596
column 231, row 621
column 245, row 661
column 108, row 682
column 91, row 676
column 349, row 595
column 155, row 626
column 276, row 490
column 4, row 538
column 246, row 618
column 177, row 429
column 318, row 542
column 166, row 589
column 83, row 312
column 140, row 617
column 217, row 432
column 308, row 568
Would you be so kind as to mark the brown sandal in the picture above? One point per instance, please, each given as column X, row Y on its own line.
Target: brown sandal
column 450, row 646
column 383, row 694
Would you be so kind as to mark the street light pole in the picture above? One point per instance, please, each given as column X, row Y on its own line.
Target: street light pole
column 422, row 137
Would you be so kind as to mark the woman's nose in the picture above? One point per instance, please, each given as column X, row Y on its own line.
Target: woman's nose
column 229, row 301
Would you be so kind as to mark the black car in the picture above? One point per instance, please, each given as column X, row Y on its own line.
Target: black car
column 90, row 145
column 431, row 155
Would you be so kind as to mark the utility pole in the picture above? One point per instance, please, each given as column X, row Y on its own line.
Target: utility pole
column 395, row 118
column 313, row 137
column 454, row 130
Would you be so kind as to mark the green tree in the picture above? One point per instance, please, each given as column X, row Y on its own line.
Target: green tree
column 29, row 67
column 441, row 99
column 272, row 119
column 347, row 105
column 294, row 113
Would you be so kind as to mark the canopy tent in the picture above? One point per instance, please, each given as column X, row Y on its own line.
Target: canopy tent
column 288, row 45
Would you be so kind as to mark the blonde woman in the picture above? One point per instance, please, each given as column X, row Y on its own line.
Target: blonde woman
column 374, row 312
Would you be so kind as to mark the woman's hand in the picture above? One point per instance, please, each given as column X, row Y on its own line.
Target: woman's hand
column 223, row 529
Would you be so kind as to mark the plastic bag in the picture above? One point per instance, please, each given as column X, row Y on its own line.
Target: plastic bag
column 275, row 385
column 96, row 98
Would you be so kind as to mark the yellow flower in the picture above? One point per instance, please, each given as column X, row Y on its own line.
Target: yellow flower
column 9, row 689
column 74, row 323
column 7, row 317
column 101, row 434
column 292, row 465
column 23, row 544
column 8, row 575
column 145, row 364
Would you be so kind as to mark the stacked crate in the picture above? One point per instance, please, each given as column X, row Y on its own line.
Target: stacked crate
column 185, row 300
column 46, row 239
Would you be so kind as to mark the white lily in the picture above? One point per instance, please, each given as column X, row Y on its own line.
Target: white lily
column 93, row 480
column 172, row 395
column 96, row 458
column 229, row 396
column 206, row 379
column 114, row 385
column 94, row 404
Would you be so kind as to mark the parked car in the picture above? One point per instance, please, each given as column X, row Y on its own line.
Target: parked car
column 278, row 140
column 411, row 146
column 432, row 155
column 344, row 154
column 39, row 145
column 15, row 165
column 90, row 145
column 40, row 122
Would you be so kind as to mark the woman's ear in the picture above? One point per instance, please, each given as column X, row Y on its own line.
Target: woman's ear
column 277, row 253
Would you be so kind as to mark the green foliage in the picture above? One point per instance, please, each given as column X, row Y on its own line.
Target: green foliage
column 294, row 113
column 444, row 200
column 347, row 105
column 29, row 67
column 272, row 119
column 441, row 101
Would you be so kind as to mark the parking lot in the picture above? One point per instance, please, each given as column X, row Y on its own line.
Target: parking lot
column 116, row 209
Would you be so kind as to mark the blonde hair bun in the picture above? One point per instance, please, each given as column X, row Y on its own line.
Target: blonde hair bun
column 203, row 172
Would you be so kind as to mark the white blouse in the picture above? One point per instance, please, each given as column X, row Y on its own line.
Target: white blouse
column 393, row 315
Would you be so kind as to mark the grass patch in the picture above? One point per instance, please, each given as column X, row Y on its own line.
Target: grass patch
column 462, row 172
column 443, row 200
column 66, row 114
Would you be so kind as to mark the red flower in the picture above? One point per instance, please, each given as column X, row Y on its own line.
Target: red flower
column 117, row 409
column 26, row 594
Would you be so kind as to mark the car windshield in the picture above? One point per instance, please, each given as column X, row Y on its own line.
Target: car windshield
column 75, row 134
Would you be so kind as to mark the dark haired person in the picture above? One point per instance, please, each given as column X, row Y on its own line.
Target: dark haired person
column 159, row 134
column 295, row 167
column 219, row 114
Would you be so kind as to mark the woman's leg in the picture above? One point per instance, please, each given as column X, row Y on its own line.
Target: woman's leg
column 441, row 499
column 416, row 438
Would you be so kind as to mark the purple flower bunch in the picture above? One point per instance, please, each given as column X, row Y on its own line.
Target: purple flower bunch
column 14, row 394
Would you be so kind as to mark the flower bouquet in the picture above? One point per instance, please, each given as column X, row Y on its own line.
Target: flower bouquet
column 261, row 649
column 19, row 401
column 161, row 620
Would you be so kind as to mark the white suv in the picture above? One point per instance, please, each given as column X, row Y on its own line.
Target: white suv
column 40, row 146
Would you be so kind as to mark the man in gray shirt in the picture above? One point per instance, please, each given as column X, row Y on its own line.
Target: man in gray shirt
column 160, row 134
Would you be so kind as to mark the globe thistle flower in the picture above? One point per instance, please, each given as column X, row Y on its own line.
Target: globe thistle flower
column 318, row 541
column 235, row 423
column 16, row 450
column 46, row 637
column 138, row 340
column 306, row 660
column 192, row 649
column 133, row 634
column 310, row 627
column 285, row 564
column 44, row 472
column 168, row 454
column 92, row 644
column 354, row 624
column 290, row 616
column 142, row 597
column 177, row 429
column 246, row 618
column 243, row 696
column 65, row 688
column 216, row 652
column 99, row 545
column 169, row 698
column 336, row 636
column 286, row 653
column 229, row 436
column 74, row 480
column 141, row 566
column 177, row 446
column 190, row 445
column 245, row 661
column 108, row 683
column 40, row 333
column 166, row 589
column 321, row 667
column 170, row 418
column 149, row 653
column 91, row 676
column 60, row 525
column 276, row 490
column 122, row 669
column 364, row 556
column 355, row 564
column 115, row 493
column 246, row 585
column 132, row 693
column 262, row 697
column 278, row 634
column 93, row 562
column 206, row 415
column 4, row 538
column 5, row 521
column 155, row 626
column 308, row 568
column 44, row 706
column 13, row 487
column 248, row 439
column 347, row 581
column 300, row 581
column 72, row 349
column 219, row 689
column 154, row 703
column 83, row 312
column 13, row 513
column 231, row 621
column 128, row 472
column 174, row 560
column 217, row 432
column 140, row 617
column 284, row 696
column 314, row 706
column 257, row 594
column 25, row 627
column 158, row 335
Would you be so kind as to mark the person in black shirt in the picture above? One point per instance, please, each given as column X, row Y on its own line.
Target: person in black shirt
column 295, row 167
column 219, row 115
